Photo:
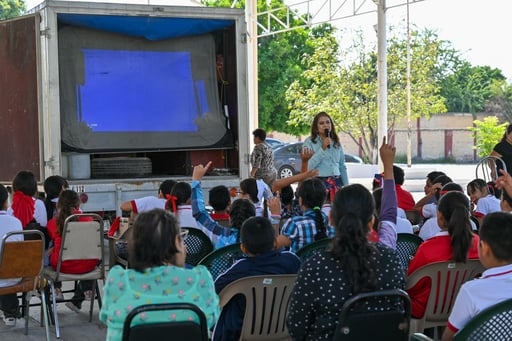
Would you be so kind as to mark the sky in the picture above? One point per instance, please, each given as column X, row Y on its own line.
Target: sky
column 477, row 28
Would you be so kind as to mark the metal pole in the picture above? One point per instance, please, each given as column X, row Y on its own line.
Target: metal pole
column 408, row 87
column 382, row 77
column 251, row 14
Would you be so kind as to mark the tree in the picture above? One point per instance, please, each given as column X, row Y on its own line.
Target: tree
column 469, row 87
column 501, row 99
column 487, row 134
column 279, row 63
column 348, row 89
column 11, row 8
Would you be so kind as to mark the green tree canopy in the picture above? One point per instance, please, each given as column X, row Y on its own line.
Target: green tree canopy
column 11, row 8
column 280, row 62
column 469, row 87
column 348, row 90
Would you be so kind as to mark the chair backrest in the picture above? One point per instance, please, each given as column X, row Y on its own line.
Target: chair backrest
column 406, row 246
column 446, row 278
column 24, row 258
column 221, row 259
column 82, row 238
column 493, row 323
column 413, row 216
column 267, row 299
column 392, row 324
column 487, row 168
column 309, row 250
column 198, row 245
column 177, row 330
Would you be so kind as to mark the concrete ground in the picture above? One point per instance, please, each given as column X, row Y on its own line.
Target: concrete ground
column 73, row 326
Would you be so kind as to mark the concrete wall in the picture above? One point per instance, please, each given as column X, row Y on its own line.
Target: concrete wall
column 440, row 136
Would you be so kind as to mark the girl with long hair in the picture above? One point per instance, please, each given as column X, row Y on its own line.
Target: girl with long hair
column 352, row 264
column 456, row 242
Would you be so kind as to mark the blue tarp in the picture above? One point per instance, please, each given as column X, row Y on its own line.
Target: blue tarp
column 152, row 28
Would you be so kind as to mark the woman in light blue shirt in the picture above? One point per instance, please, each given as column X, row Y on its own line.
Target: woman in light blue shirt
column 328, row 156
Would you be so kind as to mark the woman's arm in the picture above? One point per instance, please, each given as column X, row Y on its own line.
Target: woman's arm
column 342, row 167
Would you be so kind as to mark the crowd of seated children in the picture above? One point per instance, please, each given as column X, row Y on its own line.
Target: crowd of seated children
column 257, row 242
column 351, row 265
column 157, row 274
column 456, row 242
column 484, row 201
column 67, row 205
column 429, row 189
column 299, row 231
column 8, row 223
column 240, row 210
column 495, row 253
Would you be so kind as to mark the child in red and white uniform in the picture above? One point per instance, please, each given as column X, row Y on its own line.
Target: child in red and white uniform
column 480, row 196
column 495, row 251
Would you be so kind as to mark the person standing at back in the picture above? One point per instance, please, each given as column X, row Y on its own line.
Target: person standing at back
column 262, row 159
column 328, row 156
column 503, row 150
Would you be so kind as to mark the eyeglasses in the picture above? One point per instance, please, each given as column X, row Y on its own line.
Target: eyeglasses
column 240, row 192
column 184, row 234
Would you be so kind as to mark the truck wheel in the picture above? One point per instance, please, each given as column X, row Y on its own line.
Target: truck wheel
column 285, row 172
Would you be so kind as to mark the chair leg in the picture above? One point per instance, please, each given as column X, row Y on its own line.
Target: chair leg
column 91, row 308
column 55, row 315
column 26, row 302
column 45, row 315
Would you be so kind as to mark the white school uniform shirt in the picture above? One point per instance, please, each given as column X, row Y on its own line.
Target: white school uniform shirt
column 147, row 204
column 39, row 212
column 186, row 219
column 474, row 296
column 9, row 223
column 403, row 225
column 488, row 204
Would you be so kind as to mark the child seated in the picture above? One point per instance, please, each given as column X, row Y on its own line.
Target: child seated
column 482, row 198
column 257, row 236
column 495, row 253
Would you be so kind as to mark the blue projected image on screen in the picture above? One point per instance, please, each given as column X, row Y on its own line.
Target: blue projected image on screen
column 139, row 91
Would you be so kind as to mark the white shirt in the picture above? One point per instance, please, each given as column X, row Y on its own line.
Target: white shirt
column 478, row 294
column 147, row 204
column 39, row 212
column 186, row 219
column 488, row 204
column 429, row 210
column 403, row 225
column 9, row 223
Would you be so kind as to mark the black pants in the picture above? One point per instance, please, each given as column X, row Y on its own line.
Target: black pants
column 9, row 305
column 79, row 296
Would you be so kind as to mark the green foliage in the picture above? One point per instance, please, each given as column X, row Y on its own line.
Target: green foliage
column 487, row 133
column 501, row 99
column 469, row 87
column 279, row 63
column 348, row 90
column 11, row 8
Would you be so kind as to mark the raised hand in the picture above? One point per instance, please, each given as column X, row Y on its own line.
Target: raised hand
column 200, row 171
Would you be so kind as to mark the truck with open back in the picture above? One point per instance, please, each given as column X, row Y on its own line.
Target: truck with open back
column 119, row 97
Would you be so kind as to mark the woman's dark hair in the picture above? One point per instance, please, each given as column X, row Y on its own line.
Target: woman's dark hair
column 68, row 202
column 313, row 193
column 314, row 128
column 454, row 206
column 25, row 182
column 152, row 241
column 250, row 187
column 241, row 210
column 53, row 185
column 352, row 211
column 182, row 191
column 507, row 131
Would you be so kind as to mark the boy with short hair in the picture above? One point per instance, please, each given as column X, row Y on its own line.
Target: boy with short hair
column 257, row 242
column 219, row 199
column 495, row 253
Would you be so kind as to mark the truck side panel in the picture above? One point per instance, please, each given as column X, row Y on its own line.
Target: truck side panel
column 19, row 127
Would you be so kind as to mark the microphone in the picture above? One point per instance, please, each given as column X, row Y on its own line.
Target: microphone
column 327, row 133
